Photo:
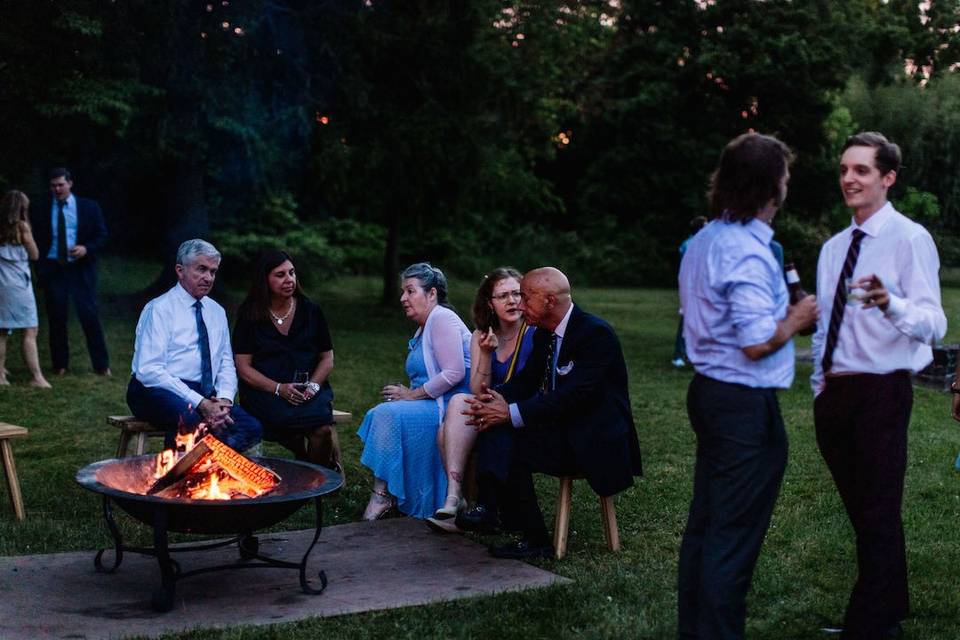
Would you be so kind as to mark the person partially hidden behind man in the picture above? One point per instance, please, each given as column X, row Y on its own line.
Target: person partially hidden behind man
column 570, row 406
column 183, row 371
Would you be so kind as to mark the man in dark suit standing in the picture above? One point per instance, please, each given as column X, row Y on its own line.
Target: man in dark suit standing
column 70, row 232
column 570, row 406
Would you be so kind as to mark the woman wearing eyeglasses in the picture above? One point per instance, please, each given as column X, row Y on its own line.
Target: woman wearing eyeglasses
column 498, row 349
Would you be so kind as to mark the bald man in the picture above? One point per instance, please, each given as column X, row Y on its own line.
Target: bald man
column 570, row 407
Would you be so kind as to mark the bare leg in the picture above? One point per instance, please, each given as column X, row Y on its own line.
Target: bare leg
column 458, row 439
column 380, row 501
column 29, row 345
column 3, row 357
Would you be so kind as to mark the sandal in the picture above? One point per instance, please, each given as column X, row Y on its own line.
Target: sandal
column 449, row 513
column 384, row 505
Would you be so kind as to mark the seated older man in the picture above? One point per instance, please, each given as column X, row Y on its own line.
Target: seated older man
column 183, row 371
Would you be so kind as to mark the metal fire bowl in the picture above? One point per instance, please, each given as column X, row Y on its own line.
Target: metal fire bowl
column 125, row 481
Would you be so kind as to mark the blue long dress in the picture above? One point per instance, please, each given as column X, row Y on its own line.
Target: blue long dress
column 400, row 442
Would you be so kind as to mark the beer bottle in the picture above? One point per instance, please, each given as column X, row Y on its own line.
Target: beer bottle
column 796, row 291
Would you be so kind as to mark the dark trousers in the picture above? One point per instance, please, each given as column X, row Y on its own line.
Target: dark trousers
column 79, row 282
column 741, row 457
column 534, row 451
column 861, row 423
column 165, row 409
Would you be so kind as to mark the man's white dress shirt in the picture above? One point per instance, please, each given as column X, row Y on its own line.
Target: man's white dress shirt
column 167, row 352
column 902, row 254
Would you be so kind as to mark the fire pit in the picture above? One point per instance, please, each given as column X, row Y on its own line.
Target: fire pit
column 126, row 481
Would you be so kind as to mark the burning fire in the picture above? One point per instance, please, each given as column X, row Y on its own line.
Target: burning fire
column 209, row 470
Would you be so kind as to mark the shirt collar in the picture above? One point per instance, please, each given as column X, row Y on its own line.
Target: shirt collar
column 760, row 230
column 185, row 297
column 875, row 223
column 69, row 203
column 562, row 327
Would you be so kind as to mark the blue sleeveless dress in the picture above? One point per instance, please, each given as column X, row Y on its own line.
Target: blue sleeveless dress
column 400, row 442
column 494, row 446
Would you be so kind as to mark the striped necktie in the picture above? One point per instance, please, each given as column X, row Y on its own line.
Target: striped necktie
column 840, row 298
column 549, row 382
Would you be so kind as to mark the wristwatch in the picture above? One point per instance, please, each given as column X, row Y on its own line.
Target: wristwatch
column 315, row 388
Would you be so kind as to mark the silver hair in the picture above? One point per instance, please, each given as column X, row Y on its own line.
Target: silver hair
column 430, row 278
column 191, row 249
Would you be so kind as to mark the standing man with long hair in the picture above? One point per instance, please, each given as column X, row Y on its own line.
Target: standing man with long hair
column 739, row 328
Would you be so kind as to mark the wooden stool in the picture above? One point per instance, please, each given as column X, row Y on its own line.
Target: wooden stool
column 131, row 426
column 8, row 431
column 562, row 523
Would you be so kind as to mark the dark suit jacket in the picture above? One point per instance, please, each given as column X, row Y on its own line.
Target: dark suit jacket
column 590, row 405
column 91, row 232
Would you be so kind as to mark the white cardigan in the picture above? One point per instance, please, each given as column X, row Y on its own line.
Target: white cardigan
column 446, row 353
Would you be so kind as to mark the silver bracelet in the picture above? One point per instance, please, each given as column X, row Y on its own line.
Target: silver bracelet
column 276, row 391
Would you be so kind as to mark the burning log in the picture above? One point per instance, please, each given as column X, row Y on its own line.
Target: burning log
column 211, row 470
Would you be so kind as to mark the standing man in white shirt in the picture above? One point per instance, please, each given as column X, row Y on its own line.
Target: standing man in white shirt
column 183, row 371
column 739, row 329
column 878, row 284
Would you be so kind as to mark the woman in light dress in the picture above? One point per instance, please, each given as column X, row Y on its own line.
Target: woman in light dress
column 18, row 307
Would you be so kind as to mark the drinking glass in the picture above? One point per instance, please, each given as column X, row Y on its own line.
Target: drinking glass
column 855, row 295
column 300, row 380
column 391, row 382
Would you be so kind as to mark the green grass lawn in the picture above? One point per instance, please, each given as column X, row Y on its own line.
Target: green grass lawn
column 803, row 577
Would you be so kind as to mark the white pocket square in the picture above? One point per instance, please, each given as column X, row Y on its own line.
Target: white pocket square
column 565, row 369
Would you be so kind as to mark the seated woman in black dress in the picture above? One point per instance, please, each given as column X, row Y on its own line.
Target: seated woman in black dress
column 284, row 355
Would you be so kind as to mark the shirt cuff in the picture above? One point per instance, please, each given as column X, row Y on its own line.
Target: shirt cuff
column 896, row 309
column 515, row 418
column 195, row 399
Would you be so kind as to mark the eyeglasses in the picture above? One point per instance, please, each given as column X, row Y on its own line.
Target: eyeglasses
column 506, row 295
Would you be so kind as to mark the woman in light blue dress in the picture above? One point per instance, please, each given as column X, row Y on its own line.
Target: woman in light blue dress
column 399, row 434
column 18, row 307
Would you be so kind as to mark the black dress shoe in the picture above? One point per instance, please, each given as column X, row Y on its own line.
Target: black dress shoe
column 478, row 519
column 523, row 550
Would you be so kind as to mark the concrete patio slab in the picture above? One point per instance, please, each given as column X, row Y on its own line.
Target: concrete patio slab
column 380, row 565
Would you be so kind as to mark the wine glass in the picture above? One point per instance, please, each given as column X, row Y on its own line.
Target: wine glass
column 300, row 380
column 392, row 382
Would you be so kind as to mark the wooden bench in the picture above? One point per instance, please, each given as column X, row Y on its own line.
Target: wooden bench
column 7, row 432
column 562, row 524
column 131, row 427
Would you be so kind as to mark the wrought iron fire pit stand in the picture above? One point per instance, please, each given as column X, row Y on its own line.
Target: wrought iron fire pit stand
column 248, row 545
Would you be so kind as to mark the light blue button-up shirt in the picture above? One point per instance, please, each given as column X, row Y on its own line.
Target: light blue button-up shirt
column 166, row 350
column 733, row 294
column 70, row 217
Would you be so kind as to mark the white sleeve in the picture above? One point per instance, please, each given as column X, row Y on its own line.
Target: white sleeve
column 150, row 360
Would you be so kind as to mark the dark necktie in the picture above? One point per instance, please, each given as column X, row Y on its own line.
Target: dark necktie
column 549, row 382
column 840, row 299
column 206, row 369
column 61, row 233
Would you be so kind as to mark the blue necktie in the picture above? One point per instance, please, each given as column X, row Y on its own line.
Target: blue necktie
column 206, row 369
